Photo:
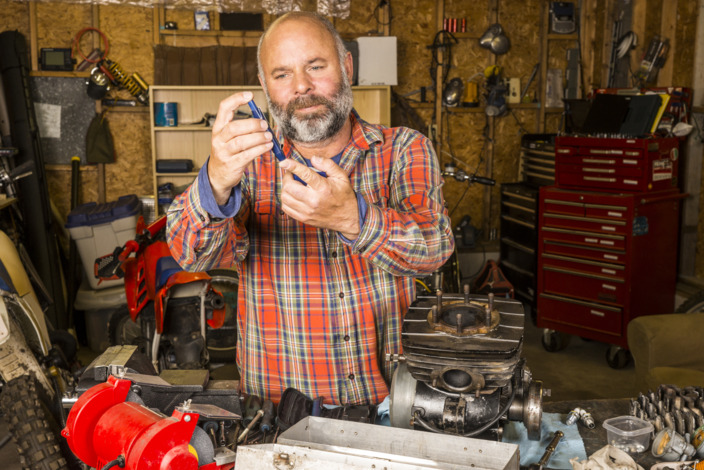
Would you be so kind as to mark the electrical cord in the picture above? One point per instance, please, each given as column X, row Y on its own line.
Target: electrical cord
column 119, row 462
column 76, row 45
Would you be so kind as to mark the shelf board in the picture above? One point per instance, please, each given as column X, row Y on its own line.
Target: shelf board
column 183, row 128
column 466, row 35
column 171, row 175
column 558, row 37
column 48, row 73
column 210, row 33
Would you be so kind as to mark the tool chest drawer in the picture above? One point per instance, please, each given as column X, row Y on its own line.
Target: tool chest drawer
column 583, row 285
column 584, row 252
column 616, row 164
column 574, row 314
column 605, row 258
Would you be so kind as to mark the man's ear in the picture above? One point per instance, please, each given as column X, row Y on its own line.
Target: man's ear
column 349, row 65
column 261, row 81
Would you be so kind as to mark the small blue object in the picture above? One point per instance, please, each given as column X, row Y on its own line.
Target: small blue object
column 91, row 213
column 257, row 113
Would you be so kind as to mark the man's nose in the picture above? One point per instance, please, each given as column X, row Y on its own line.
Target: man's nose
column 302, row 83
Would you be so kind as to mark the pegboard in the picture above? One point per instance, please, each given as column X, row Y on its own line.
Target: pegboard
column 65, row 98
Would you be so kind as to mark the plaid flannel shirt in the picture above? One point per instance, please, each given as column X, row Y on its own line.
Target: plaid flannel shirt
column 318, row 312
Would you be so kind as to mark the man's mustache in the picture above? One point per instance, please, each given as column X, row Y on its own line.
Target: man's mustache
column 306, row 102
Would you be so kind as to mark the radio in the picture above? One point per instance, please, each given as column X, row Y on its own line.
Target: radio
column 57, row 59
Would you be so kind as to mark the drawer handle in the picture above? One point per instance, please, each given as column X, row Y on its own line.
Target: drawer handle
column 597, row 313
column 614, row 214
column 598, row 160
column 611, row 257
column 628, row 161
column 633, row 182
column 608, row 287
column 597, row 178
column 599, row 170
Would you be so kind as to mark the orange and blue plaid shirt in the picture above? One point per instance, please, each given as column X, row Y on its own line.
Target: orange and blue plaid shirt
column 317, row 312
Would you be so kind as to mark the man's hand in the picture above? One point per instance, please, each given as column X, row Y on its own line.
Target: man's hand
column 326, row 202
column 234, row 145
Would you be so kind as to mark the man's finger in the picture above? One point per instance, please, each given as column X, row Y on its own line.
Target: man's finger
column 305, row 174
column 228, row 107
column 328, row 166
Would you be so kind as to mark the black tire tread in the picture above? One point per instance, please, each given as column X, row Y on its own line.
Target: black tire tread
column 694, row 304
column 28, row 421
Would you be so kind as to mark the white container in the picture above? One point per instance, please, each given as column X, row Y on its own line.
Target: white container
column 628, row 433
column 377, row 61
column 98, row 229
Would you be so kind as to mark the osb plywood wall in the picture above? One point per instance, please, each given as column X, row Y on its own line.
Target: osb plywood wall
column 131, row 36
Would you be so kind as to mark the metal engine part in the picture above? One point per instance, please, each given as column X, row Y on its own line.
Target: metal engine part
column 461, row 371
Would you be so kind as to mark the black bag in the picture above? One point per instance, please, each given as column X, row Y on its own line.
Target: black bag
column 100, row 147
column 294, row 406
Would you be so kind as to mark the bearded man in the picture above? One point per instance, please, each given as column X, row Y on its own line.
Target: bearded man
column 327, row 262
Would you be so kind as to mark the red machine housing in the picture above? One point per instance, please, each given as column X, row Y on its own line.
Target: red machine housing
column 102, row 427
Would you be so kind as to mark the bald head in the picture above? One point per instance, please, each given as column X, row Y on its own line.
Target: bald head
column 304, row 22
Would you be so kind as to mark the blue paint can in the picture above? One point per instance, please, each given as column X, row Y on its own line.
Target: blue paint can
column 165, row 114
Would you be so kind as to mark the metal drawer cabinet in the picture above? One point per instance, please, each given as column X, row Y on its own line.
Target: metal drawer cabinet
column 604, row 259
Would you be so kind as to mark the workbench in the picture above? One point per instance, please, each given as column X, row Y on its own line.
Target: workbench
column 601, row 410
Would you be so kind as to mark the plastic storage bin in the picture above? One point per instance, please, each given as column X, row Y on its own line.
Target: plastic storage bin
column 628, row 433
column 99, row 228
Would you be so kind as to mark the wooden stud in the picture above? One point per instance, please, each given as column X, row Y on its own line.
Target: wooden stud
column 34, row 53
column 588, row 37
column 668, row 20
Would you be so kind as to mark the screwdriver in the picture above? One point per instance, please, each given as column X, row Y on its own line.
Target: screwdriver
column 267, row 422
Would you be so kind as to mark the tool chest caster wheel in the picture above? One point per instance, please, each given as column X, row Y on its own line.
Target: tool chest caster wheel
column 554, row 341
column 617, row 357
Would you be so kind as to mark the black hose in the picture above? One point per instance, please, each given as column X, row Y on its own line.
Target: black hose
column 5, row 440
column 119, row 461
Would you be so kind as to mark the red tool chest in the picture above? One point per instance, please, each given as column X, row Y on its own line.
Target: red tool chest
column 605, row 258
column 616, row 164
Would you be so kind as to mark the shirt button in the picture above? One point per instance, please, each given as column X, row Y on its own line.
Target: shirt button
column 342, row 295
column 281, row 212
column 347, row 337
column 351, row 376
column 334, row 254
column 202, row 217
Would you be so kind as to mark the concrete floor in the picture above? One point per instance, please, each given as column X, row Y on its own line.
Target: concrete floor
column 579, row 372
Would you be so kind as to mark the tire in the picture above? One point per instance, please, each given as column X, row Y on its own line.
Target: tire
column 617, row 357
column 123, row 331
column 33, row 428
column 554, row 341
column 222, row 342
column 694, row 304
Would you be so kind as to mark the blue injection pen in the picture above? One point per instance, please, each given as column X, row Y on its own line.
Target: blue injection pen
column 257, row 113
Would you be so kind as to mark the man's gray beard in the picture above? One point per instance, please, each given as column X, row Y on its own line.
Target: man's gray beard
column 320, row 126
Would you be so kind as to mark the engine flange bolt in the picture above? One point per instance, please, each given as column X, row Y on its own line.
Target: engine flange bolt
column 439, row 297
column 459, row 323
column 434, row 310
column 466, row 293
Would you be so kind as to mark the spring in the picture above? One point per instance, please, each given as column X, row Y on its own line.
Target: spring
column 123, row 79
